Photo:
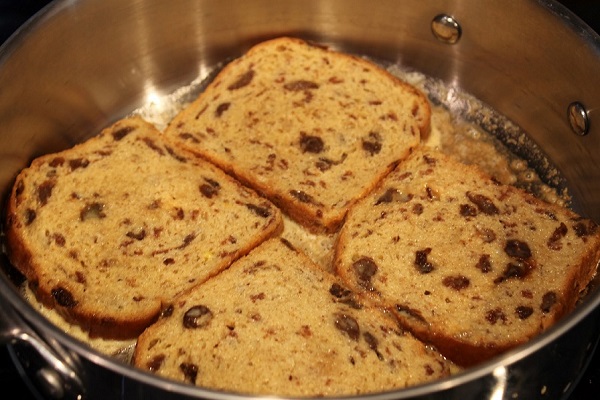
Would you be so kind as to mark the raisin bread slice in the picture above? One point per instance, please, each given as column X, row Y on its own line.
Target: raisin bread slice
column 276, row 324
column 467, row 264
column 312, row 129
column 109, row 230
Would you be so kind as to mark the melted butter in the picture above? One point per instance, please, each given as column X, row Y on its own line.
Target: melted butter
column 461, row 127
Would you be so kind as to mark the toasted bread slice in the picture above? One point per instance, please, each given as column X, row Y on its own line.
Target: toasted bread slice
column 467, row 264
column 312, row 129
column 274, row 323
column 109, row 230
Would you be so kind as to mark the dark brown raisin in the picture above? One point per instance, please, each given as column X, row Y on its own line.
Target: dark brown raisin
column 187, row 240
column 300, row 85
column 432, row 194
column 347, row 325
column 548, row 300
column 585, row 228
column 122, row 132
column 417, row 208
column 156, row 362
column 416, row 314
column 56, row 162
column 80, row 276
column 197, row 317
column 423, row 266
column 371, row 147
column 255, row 297
column 167, row 311
column 190, row 372
column 311, row 144
column 63, row 297
column 212, row 182
column 518, row 270
column 495, row 315
column 467, row 210
column 44, row 191
column 517, row 249
column 524, row 312
column 138, row 235
column 373, row 344
column 484, row 264
column 92, row 210
column 221, row 108
column 288, row 244
column 302, row 196
column 188, row 136
column 344, row 296
column 179, row 214
column 176, row 156
column 458, row 282
column 484, row 204
column 339, row 291
column 78, row 163
column 365, row 268
column 547, row 213
column 258, row 210
column 387, row 197
column 19, row 188
column 554, row 240
column 153, row 146
column 429, row 159
column 208, row 190
column 243, row 80
column 59, row 239
column 323, row 164
column 29, row 216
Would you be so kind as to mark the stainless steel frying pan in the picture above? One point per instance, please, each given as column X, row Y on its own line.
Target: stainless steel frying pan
column 81, row 64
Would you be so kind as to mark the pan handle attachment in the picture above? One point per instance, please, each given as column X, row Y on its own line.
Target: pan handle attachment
column 48, row 369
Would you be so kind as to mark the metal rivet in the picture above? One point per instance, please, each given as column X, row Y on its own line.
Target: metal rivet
column 446, row 29
column 578, row 118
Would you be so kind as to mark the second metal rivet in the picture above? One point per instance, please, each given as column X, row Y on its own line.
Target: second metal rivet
column 578, row 118
column 446, row 29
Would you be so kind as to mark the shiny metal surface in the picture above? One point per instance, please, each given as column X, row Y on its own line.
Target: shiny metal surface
column 578, row 118
column 446, row 29
column 82, row 64
column 53, row 370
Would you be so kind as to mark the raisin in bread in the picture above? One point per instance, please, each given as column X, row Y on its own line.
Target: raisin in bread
column 467, row 264
column 276, row 324
column 109, row 230
column 310, row 128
